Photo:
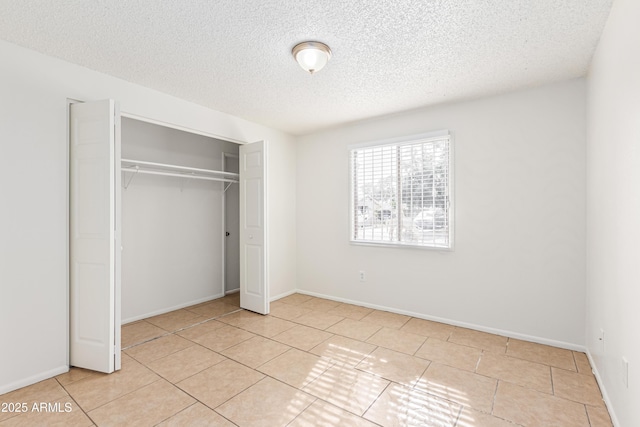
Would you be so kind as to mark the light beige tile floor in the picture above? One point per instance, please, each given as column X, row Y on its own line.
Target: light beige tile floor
column 315, row 362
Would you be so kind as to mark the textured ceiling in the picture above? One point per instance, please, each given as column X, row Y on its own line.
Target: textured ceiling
column 388, row 56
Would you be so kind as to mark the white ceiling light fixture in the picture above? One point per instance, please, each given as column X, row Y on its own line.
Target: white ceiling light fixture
column 312, row 56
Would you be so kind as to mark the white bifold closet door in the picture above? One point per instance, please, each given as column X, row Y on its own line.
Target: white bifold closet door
column 254, row 293
column 94, row 241
column 95, row 234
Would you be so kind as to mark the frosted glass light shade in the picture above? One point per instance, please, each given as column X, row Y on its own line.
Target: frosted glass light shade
column 312, row 56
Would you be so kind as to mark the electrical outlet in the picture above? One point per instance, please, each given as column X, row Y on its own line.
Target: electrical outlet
column 625, row 372
column 362, row 276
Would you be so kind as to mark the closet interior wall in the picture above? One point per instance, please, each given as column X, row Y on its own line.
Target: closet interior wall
column 172, row 228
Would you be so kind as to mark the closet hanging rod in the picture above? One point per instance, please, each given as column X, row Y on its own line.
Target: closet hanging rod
column 181, row 175
column 142, row 164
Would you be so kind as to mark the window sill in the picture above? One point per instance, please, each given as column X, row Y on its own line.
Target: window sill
column 401, row 246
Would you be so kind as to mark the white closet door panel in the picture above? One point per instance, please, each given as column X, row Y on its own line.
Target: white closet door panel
column 254, row 293
column 94, row 236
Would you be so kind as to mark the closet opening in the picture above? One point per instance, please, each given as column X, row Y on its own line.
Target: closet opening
column 175, row 249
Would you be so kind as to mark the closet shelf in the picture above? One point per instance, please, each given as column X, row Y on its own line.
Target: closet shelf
column 152, row 168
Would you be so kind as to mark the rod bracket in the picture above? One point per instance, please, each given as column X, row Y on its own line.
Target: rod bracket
column 135, row 172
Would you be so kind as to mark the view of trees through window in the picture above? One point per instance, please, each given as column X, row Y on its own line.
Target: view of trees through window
column 401, row 194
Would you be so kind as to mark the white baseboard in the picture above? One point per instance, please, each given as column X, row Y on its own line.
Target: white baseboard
column 505, row 333
column 6, row 388
column 285, row 294
column 232, row 291
column 168, row 309
column 603, row 390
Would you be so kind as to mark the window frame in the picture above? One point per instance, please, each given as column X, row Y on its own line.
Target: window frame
column 405, row 140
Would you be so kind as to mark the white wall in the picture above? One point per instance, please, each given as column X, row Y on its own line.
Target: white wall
column 519, row 260
column 172, row 228
column 281, row 206
column 33, row 167
column 613, row 210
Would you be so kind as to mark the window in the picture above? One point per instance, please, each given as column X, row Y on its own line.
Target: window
column 401, row 192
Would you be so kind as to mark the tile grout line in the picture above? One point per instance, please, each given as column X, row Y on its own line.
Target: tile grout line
column 303, row 411
column 575, row 362
column 175, row 331
column 495, row 396
column 128, row 393
column 376, row 399
column 69, row 394
column 204, row 369
column 233, row 396
column 75, row 401
column 455, row 424
column 86, row 412
column 475, row 369
column 179, row 412
column 333, row 363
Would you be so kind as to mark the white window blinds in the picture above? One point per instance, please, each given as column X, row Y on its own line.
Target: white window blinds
column 401, row 193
